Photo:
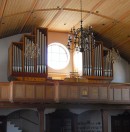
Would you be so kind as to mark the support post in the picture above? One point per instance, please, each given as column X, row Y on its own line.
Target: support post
column 41, row 118
column 104, row 114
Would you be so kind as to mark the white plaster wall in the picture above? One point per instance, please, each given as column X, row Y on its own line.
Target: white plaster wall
column 121, row 71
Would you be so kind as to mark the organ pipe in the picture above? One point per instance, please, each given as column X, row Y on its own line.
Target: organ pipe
column 94, row 63
column 23, row 65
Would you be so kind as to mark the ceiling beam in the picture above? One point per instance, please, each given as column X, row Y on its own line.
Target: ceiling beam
column 29, row 14
column 59, row 9
column 59, row 12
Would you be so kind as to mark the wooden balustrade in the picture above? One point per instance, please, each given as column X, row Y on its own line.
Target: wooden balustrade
column 68, row 92
column 32, row 92
column 94, row 92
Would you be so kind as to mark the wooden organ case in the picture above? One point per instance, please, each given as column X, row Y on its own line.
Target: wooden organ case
column 95, row 64
column 22, row 67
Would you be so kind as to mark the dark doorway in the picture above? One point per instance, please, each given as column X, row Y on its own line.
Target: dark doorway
column 3, row 123
column 121, row 123
column 61, row 121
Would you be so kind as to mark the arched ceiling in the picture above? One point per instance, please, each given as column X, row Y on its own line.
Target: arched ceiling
column 109, row 18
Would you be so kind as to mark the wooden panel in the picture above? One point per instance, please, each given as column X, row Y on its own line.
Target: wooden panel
column 111, row 94
column 4, row 92
column 30, row 91
column 19, row 91
column 73, row 92
column 63, row 94
column 49, row 92
column 117, row 94
column 125, row 94
column 93, row 92
column 40, row 91
column 103, row 93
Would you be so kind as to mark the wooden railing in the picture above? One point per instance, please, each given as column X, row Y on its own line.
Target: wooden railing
column 68, row 92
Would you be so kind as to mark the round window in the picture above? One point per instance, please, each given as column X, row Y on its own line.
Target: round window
column 58, row 56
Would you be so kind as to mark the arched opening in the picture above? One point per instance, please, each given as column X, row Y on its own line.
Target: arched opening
column 24, row 119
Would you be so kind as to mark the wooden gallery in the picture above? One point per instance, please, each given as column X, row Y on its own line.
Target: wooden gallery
column 64, row 66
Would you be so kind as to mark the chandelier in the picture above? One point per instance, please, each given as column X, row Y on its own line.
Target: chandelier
column 81, row 37
column 32, row 49
column 113, row 55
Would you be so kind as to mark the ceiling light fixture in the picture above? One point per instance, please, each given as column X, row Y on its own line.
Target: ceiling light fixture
column 81, row 37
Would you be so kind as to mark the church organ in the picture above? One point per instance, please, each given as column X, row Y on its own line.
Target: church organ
column 24, row 66
column 22, row 63
column 95, row 65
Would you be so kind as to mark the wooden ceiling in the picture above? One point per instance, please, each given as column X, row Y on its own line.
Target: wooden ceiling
column 109, row 18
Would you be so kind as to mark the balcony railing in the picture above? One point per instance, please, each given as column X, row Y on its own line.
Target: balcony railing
column 67, row 92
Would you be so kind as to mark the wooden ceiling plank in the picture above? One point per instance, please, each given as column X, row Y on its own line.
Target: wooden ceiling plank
column 97, row 5
column 59, row 12
column 122, row 17
column 122, row 43
column 92, row 11
column 29, row 14
column 2, row 9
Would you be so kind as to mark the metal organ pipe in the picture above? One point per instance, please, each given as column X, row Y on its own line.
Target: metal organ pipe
column 40, row 34
column 13, row 58
column 43, row 51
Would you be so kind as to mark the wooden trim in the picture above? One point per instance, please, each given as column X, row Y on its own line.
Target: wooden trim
column 104, row 115
column 41, row 119
column 64, row 9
